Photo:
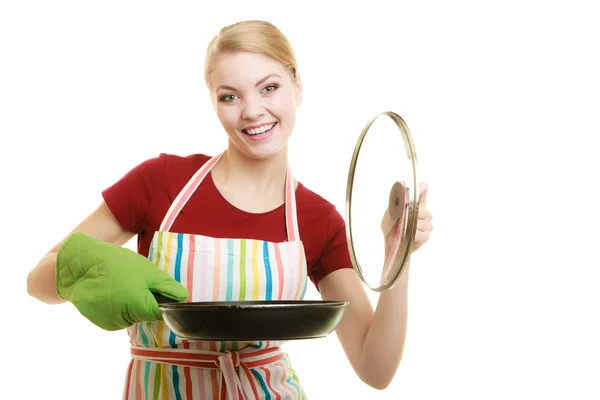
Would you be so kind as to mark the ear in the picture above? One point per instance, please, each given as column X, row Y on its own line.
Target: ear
column 299, row 89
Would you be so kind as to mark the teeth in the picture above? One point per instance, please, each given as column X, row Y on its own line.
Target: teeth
column 260, row 130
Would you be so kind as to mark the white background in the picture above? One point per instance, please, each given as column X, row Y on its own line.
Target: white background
column 502, row 99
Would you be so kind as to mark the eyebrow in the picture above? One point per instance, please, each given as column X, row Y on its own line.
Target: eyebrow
column 257, row 83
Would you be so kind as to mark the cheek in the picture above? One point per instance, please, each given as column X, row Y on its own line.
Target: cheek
column 285, row 107
column 228, row 116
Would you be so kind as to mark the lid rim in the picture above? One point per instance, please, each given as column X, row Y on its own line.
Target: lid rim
column 403, row 258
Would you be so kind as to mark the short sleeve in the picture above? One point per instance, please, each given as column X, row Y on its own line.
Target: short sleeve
column 335, row 254
column 129, row 198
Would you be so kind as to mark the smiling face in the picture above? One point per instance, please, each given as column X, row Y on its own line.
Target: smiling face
column 255, row 98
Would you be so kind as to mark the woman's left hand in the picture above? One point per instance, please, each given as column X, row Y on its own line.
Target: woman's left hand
column 424, row 225
column 392, row 231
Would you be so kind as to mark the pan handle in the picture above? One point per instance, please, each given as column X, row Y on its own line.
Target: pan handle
column 160, row 299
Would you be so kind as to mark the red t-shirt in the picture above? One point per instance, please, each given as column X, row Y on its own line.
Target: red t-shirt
column 141, row 198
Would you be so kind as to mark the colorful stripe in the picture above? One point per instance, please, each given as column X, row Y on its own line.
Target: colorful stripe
column 269, row 277
column 262, row 383
column 156, row 388
column 177, row 276
column 242, row 270
column 280, row 274
column 200, row 385
column 214, row 382
column 177, row 271
column 255, row 274
column 190, row 267
column 271, row 390
column 188, row 382
column 159, row 248
column 138, row 379
column 219, row 269
column 167, row 265
column 230, row 259
column 201, row 273
column 301, row 274
column 128, row 380
column 175, row 372
column 248, row 361
column 292, row 379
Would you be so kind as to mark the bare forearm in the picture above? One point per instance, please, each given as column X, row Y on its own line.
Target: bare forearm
column 384, row 344
column 41, row 281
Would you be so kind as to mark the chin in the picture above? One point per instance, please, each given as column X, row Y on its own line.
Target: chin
column 263, row 154
column 262, row 150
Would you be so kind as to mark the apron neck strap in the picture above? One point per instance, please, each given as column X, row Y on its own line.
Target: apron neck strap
column 186, row 193
column 291, row 219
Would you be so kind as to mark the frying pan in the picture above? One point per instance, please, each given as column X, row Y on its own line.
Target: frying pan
column 251, row 320
column 304, row 319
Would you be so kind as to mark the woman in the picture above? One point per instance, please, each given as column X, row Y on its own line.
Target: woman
column 235, row 226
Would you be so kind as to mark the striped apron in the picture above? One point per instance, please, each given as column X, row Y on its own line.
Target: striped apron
column 164, row 366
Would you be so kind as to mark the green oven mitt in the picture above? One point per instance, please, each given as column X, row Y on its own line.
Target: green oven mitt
column 111, row 285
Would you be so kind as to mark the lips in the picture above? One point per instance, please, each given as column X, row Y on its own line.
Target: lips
column 259, row 129
column 260, row 132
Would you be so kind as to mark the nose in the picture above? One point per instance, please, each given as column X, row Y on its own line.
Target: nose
column 252, row 108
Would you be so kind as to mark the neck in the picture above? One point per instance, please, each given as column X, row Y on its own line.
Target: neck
column 262, row 175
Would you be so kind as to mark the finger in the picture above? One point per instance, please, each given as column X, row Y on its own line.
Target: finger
column 423, row 189
column 424, row 213
column 421, row 238
column 424, row 225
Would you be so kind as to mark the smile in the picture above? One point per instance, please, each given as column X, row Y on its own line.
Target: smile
column 260, row 130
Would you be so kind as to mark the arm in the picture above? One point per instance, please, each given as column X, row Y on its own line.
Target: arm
column 129, row 198
column 41, row 281
column 374, row 340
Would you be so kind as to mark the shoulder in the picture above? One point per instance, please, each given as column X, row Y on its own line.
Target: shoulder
column 149, row 188
column 166, row 169
column 168, row 163
column 154, row 174
column 181, row 163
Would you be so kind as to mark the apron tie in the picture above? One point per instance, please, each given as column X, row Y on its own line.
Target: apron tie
column 227, row 364
column 232, row 385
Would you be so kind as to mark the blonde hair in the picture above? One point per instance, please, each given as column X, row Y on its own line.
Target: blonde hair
column 252, row 36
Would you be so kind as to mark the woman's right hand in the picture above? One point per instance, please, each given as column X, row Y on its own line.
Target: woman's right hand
column 110, row 285
column 108, row 303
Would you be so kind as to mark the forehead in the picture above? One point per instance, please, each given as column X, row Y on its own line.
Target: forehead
column 244, row 69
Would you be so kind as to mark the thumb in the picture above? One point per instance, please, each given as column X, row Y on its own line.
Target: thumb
column 147, row 309
column 169, row 287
